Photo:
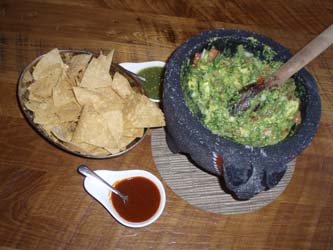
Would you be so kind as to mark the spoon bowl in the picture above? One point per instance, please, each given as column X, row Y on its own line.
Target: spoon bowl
column 101, row 193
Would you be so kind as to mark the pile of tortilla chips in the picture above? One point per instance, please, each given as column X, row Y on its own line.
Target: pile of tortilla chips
column 80, row 104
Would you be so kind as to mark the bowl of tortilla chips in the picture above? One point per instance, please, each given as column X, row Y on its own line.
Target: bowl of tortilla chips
column 84, row 104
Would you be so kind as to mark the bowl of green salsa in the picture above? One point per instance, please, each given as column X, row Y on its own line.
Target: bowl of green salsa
column 249, row 150
column 153, row 74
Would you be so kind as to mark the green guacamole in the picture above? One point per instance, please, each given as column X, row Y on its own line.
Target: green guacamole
column 154, row 78
column 213, row 80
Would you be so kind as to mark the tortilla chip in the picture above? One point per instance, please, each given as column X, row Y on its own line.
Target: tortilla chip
column 69, row 112
column 110, row 94
column 32, row 105
column 86, row 148
column 47, row 62
column 44, row 85
column 97, row 74
column 93, row 129
column 129, row 130
column 122, row 86
column 62, row 93
column 114, row 120
column 125, row 141
column 63, row 131
column 113, row 150
column 86, row 96
column 48, row 128
column 133, row 132
column 27, row 77
column 44, row 118
column 143, row 113
column 78, row 65
column 36, row 98
column 101, row 102
column 44, row 112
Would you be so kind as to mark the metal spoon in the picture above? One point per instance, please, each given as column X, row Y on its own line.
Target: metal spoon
column 133, row 74
column 86, row 171
column 294, row 64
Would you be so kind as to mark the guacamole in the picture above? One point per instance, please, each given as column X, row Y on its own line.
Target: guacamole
column 214, row 78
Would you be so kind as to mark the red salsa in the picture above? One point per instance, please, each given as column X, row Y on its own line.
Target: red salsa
column 143, row 199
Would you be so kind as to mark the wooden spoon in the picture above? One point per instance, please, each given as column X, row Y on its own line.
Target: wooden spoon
column 293, row 65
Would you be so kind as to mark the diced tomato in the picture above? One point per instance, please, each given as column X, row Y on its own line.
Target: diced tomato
column 260, row 80
column 212, row 54
column 196, row 59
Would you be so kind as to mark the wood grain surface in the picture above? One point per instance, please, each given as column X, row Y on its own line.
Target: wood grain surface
column 42, row 201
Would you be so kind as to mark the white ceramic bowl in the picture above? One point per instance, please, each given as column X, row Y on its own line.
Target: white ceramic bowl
column 102, row 194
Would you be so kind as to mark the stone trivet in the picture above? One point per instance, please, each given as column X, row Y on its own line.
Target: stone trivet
column 202, row 189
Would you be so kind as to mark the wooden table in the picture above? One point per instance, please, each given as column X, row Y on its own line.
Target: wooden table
column 42, row 201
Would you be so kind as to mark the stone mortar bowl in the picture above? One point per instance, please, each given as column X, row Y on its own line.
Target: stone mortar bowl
column 244, row 170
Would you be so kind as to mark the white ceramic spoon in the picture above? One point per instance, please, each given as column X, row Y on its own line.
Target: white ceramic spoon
column 101, row 192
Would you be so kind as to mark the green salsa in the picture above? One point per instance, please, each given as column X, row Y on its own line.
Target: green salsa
column 154, row 78
column 214, row 78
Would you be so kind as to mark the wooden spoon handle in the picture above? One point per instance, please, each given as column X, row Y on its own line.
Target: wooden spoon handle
column 302, row 57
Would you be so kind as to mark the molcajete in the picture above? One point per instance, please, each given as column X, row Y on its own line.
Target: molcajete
column 245, row 170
